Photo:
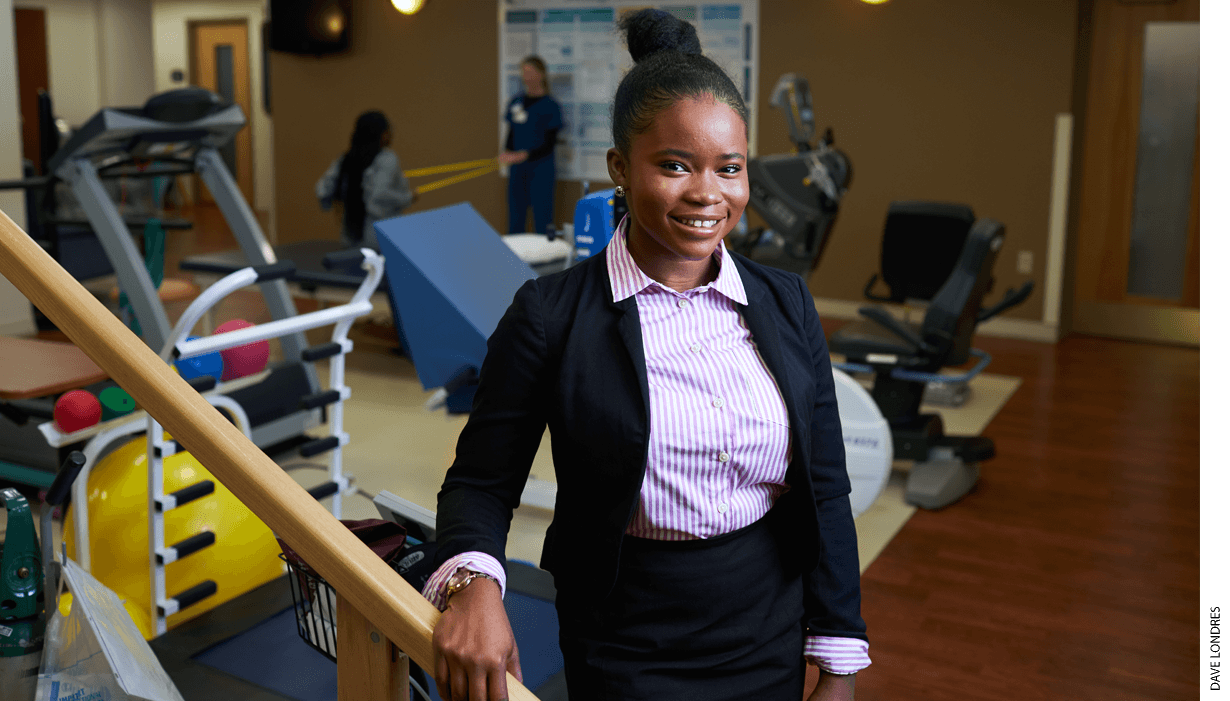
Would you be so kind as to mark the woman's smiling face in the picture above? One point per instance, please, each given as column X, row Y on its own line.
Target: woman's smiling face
column 686, row 181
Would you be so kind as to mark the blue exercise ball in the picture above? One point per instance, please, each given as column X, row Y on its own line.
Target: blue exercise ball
column 208, row 364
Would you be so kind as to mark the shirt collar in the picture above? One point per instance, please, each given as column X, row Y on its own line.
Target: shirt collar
column 627, row 279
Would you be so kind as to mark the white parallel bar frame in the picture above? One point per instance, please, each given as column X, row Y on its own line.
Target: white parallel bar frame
column 342, row 317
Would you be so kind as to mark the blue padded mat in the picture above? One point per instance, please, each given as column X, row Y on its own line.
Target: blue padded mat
column 272, row 655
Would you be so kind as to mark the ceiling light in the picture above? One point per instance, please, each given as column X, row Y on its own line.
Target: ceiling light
column 409, row 7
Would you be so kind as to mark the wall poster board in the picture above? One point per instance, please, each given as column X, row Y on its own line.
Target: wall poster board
column 586, row 57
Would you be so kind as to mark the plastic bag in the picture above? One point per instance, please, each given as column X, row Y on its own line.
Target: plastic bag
column 96, row 653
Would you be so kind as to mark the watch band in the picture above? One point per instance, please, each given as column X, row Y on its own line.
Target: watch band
column 455, row 585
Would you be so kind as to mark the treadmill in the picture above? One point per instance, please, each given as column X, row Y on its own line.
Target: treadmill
column 177, row 132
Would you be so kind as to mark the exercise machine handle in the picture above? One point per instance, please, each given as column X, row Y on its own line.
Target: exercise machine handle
column 274, row 271
column 1010, row 300
column 64, row 480
column 880, row 316
column 875, row 277
column 344, row 259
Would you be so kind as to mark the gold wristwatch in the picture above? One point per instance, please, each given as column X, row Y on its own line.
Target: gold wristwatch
column 461, row 579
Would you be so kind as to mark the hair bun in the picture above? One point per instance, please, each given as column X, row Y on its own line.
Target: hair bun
column 650, row 31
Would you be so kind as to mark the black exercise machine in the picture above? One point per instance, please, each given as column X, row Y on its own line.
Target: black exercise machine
column 905, row 357
column 797, row 194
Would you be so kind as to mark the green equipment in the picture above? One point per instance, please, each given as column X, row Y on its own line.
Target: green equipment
column 22, row 621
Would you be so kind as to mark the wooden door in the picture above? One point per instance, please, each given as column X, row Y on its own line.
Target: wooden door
column 220, row 63
column 30, row 26
column 1138, row 227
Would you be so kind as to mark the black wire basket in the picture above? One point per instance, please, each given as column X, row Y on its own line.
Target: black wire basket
column 315, row 607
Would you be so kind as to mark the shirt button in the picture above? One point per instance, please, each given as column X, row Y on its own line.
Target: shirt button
column 722, row 507
column 695, row 348
column 683, row 303
column 723, row 456
column 718, row 403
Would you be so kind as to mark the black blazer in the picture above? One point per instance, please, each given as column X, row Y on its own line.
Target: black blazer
column 566, row 356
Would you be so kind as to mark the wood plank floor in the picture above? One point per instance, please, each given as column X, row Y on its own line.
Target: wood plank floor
column 1072, row 570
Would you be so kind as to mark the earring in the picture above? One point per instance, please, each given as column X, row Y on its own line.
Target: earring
column 620, row 191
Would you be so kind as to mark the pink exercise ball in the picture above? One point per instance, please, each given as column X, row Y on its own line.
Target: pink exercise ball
column 244, row 360
column 76, row 410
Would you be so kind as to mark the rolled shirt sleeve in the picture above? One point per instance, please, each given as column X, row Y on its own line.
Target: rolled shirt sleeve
column 474, row 561
column 837, row 655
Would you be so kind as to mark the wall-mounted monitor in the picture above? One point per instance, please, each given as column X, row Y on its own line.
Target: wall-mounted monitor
column 309, row 26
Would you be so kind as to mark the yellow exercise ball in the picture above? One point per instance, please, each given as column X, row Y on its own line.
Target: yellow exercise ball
column 244, row 554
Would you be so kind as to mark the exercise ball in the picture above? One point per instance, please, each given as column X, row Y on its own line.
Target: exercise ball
column 75, row 410
column 200, row 365
column 244, row 360
column 243, row 556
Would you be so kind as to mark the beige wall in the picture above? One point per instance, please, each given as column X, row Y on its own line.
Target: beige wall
column 72, row 57
column 950, row 100
column 100, row 54
column 170, row 28
column 125, row 52
column 15, row 313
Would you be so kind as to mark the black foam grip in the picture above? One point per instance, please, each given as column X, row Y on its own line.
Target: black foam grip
column 191, row 596
column 193, row 492
column 324, row 350
column 321, row 491
column 187, row 546
column 318, row 446
column 314, row 401
column 64, row 480
column 274, row 271
column 344, row 259
column 203, row 383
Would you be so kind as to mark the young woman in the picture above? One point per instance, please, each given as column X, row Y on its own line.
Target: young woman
column 703, row 545
column 534, row 120
column 368, row 180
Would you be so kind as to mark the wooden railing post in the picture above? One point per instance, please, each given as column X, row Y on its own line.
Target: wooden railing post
column 358, row 574
column 369, row 665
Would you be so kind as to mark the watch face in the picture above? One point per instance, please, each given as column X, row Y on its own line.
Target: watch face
column 457, row 580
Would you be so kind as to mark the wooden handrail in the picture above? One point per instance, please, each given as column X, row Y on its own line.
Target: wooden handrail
column 362, row 578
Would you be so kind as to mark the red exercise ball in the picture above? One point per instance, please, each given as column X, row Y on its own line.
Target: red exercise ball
column 244, row 360
column 76, row 410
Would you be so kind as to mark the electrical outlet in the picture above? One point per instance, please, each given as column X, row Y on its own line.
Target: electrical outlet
column 1025, row 262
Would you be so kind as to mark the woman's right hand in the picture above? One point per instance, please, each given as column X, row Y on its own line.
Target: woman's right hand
column 474, row 646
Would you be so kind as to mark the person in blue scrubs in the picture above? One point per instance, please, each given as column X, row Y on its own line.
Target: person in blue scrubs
column 534, row 120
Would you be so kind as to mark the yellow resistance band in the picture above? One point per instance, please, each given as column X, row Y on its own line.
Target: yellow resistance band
column 464, row 165
column 455, row 179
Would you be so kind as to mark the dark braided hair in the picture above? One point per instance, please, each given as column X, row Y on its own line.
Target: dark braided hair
column 365, row 144
column 669, row 67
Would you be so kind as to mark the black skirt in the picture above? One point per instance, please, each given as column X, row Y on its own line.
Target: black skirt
column 706, row 619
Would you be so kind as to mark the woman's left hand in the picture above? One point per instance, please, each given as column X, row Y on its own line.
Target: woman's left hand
column 833, row 687
column 513, row 157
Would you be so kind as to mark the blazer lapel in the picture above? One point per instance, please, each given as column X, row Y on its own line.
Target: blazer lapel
column 763, row 325
column 630, row 331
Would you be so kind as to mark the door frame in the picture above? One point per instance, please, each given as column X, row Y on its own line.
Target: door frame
column 201, row 192
column 1109, row 84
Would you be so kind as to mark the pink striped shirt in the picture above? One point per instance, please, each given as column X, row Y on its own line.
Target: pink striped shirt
column 719, row 438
